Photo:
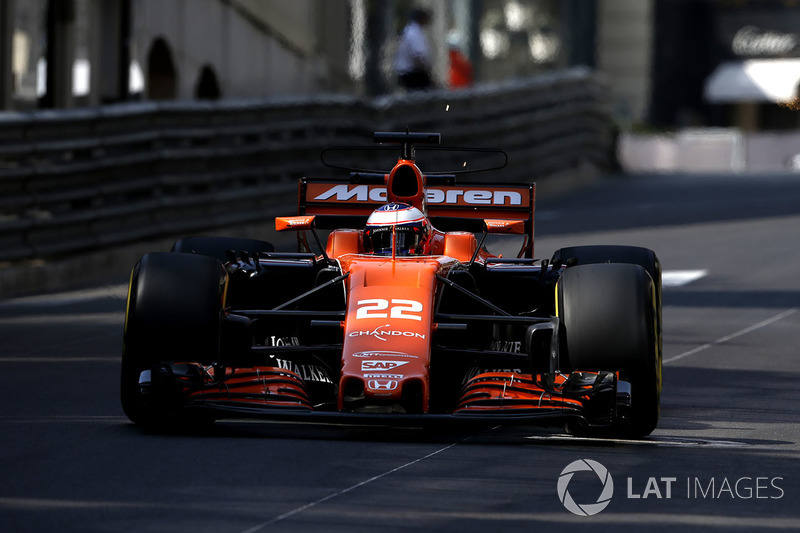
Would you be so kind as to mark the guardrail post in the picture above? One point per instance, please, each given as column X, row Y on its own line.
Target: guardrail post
column 6, row 61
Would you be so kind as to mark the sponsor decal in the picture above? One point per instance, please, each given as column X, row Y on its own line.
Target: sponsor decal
column 382, row 365
column 434, row 196
column 383, row 354
column 505, row 226
column 506, row 346
column 386, row 376
column 348, row 193
column 282, row 341
column 380, row 308
column 307, row 372
column 382, row 384
column 381, row 334
column 299, row 221
column 476, row 371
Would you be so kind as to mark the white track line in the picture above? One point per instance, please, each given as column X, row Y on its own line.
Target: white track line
column 343, row 491
column 726, row 338
column 678, row 278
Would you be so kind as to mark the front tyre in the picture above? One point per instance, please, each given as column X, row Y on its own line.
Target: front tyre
column 173, row 314
column 610, row 316
column 610, row 253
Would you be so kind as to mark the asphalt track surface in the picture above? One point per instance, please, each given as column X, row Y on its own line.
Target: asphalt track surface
column 724, row 457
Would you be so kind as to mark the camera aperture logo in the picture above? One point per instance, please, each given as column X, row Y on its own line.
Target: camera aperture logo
column 585, row 509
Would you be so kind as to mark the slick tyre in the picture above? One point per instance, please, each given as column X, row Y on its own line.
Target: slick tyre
column 634, row 255
column 609, row 315
column 217, row 247
column 172, row 314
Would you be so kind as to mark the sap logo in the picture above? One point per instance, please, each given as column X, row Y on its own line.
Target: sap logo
column 381, row 366
column 382, row 384
column 447, row 196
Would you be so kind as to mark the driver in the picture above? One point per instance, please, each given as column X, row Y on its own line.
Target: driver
column 411, row 228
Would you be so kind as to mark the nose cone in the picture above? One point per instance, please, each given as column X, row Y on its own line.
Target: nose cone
column 386, row 351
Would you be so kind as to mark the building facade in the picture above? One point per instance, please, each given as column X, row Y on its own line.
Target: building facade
column 72, row 53
column 75, row 53
column 726, row 63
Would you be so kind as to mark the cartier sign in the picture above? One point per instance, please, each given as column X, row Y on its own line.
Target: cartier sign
column 753, row 41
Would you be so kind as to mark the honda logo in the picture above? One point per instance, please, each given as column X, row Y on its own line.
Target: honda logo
column 382, row 384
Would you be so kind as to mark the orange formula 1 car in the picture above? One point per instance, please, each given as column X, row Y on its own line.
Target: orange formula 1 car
column 403, row 316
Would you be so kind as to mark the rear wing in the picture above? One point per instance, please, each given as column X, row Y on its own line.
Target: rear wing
column 450, row 207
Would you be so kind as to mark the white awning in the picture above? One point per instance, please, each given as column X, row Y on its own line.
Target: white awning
column 754, row 80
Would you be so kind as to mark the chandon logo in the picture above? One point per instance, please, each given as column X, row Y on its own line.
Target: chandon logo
column 587, row 509
column 380, row 334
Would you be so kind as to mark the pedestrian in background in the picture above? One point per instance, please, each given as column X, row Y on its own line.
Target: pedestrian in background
column 460, row 69
column 413, row 62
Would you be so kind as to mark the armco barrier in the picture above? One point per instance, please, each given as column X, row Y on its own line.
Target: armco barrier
column 77, row 180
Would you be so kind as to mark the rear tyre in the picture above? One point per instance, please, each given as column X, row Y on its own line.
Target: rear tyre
column 609, row 314
column 218, row 246
column 173, row 314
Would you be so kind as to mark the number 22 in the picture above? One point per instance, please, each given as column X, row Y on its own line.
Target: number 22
column 399, row 308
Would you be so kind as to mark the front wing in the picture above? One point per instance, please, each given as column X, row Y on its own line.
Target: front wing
column 591, row 398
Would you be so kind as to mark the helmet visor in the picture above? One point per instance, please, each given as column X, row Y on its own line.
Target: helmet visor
column 378, row 240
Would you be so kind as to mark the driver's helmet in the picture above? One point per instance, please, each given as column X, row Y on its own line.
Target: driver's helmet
column 412, row 230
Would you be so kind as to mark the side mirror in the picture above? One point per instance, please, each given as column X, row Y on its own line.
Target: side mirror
column 508, row 227
column 498, row 226
column 294, row 223
column 300, row 223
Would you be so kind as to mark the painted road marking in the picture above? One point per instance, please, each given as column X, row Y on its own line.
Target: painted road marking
column 678, row 278
column 115, row 292
column 726, row 338
column 652, row 441
column 314, row 503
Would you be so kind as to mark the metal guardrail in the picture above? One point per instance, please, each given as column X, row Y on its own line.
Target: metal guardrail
column 76, row 180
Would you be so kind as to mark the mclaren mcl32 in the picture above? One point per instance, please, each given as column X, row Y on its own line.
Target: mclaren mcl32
column 393, row 309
